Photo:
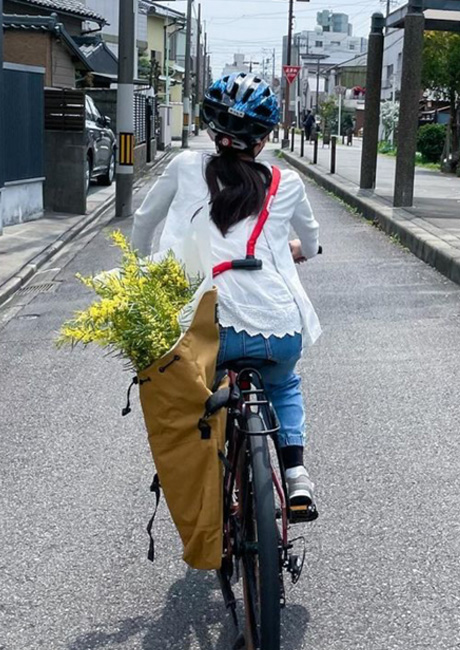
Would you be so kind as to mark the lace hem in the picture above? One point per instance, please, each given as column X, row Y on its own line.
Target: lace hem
column 254, row 321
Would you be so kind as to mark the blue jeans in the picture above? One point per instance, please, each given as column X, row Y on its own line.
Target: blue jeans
column 281, row 383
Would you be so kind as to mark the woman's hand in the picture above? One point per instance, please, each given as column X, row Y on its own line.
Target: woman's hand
column 296, row 251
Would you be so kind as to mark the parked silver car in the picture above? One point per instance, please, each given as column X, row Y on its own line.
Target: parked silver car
column 101, row 146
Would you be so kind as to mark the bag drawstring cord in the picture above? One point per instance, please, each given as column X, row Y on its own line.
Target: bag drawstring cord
column 134, row 382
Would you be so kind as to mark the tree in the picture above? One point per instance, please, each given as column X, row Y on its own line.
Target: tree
column 328, row 111
column 441, row 74
column 144, row 67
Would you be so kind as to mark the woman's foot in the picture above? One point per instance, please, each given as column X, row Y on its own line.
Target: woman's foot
column 300, row 487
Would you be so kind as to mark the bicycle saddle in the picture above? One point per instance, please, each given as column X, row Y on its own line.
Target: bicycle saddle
column 237, row 365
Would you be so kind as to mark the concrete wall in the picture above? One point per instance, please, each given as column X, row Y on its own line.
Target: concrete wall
column 21, row 201
column 140, row 159
column 106, row 101
column 65, row 158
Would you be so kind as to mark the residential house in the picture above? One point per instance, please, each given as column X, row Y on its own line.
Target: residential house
column 329, row 44
column 39, row 50
column 166, row 51
column 42, row 33
column 392, row 64
column 76, row 17
column 110, row 10
column 348, row 79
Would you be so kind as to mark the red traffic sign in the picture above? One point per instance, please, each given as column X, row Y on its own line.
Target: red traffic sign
column 291, row 72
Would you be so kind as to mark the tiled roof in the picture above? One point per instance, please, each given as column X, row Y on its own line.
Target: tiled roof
column 150, row 7
column 69, row 7
column 45, row 24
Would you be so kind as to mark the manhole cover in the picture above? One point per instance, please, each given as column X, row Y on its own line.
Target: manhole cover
column 47, row 287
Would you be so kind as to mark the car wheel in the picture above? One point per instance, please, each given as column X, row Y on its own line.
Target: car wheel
column 109, row 176
column 88, row 172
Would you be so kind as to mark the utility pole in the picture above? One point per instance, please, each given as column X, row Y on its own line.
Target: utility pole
column 274, row 67
column 2, row 147
column 198, row 74
column 205, row 62
column 125, row 109
column 188, row 51
column 287, row 87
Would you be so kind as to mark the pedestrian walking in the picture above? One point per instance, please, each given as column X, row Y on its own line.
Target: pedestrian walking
column 308, row 123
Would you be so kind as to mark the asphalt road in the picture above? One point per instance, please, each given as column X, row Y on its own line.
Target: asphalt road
column 382, row 385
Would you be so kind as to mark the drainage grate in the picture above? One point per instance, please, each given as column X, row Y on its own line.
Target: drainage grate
column 47, row 287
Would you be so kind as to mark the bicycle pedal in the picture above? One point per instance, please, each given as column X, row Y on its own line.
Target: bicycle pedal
column 303, row 513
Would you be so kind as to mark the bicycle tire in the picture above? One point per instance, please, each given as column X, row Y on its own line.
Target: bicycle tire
column 261, row 569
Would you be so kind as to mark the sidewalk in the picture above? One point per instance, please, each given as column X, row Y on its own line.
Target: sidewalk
column 25, row 247
column 430, row 229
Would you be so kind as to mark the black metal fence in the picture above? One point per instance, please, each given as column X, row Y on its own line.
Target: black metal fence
column 140, row 118
column 23, row 127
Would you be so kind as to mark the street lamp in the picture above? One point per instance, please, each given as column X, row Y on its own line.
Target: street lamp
column 287, row 91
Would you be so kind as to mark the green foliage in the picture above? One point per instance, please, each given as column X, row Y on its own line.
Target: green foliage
column 136, row 314
column 441, row 64
column 441, row 75
column 387, row 148
column 430, row 142
column 329, row 111
column 144, row 67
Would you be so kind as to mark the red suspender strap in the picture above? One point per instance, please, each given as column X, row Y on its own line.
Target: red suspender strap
column 221, row 268
column 251, row 246
column 272, row 192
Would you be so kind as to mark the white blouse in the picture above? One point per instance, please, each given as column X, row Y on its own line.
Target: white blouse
column 258, row 302
column 270, row 301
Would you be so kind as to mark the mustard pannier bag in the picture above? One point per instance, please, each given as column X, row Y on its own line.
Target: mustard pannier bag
column 173, row 393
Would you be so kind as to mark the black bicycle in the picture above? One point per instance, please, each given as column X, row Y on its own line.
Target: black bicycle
column 256, row 511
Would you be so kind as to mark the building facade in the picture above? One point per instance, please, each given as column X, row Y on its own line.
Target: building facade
column 238, row 65
column 316, row 51
column 392, row 64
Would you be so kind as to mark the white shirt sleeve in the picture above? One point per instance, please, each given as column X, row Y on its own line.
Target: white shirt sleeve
column 155, row 208
column 305, row 224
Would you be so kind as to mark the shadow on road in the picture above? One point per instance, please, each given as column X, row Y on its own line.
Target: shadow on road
column 193, row 618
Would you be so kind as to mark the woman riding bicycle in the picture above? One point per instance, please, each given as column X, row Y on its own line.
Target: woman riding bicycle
column 264, row 314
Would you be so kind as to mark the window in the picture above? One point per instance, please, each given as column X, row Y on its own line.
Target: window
column 318, row 43
column 352, row 46
column 93, row 110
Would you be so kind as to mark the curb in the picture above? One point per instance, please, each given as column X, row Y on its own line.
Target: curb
column 429, row 243
column 8, row 288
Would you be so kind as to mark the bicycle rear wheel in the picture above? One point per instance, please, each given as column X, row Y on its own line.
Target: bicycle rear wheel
column 260, row 545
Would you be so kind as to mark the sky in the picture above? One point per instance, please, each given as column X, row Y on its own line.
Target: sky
column 256, row 27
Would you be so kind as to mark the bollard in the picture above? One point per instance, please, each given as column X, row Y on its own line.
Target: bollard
column 315, row 149
column 343, row 138
column 302, row 144
column 333, row 153
column 292, row 139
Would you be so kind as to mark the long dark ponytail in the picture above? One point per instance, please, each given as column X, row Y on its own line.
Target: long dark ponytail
column 237, row 185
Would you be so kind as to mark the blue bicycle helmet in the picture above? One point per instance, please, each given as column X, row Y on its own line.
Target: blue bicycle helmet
column 242, row 109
